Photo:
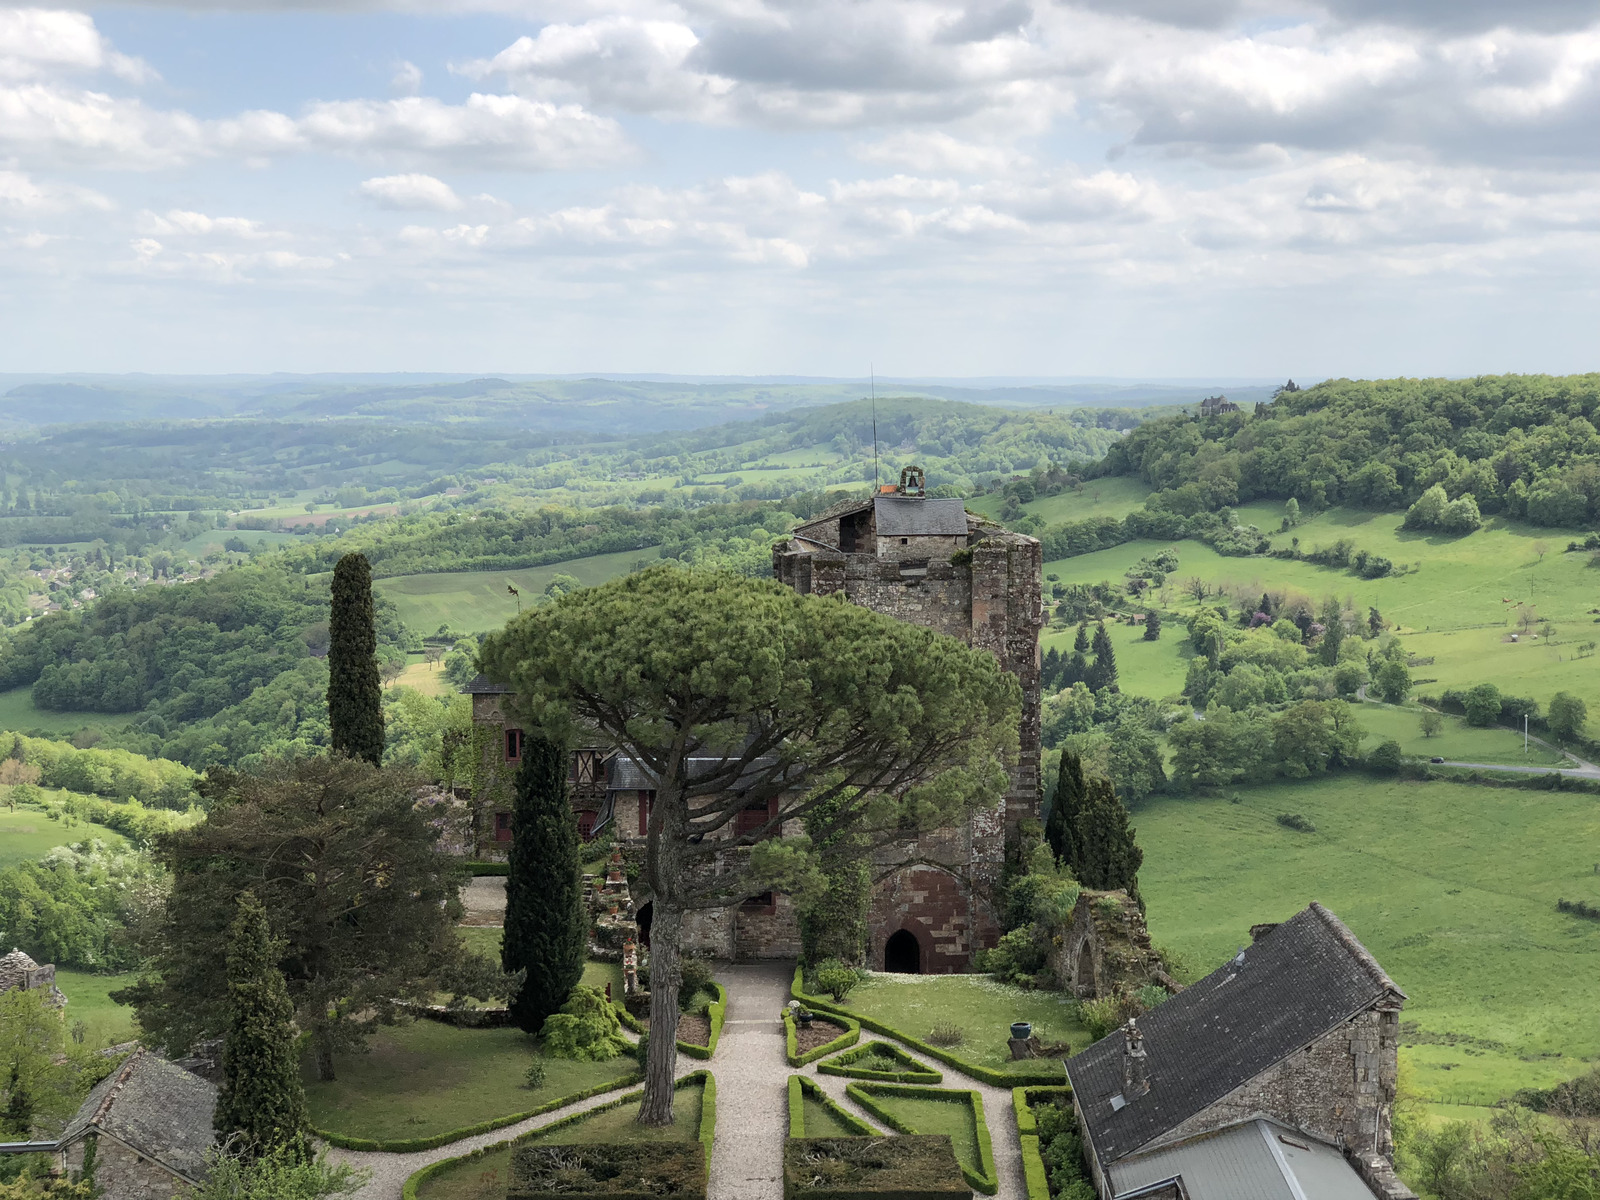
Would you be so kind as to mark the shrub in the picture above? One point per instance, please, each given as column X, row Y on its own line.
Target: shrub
column 1296, row 821
column 1151, row 994
column 1482, row 704
column 535, row 1077
column 946, row 1034
column 836, row 979
column 586, row 1028
column 1385, row 757
column 1017, row 958
column 1100, row 1016
column 1061, row 1148
column 1579, row 909
column 694, row 974
column 641, row 1051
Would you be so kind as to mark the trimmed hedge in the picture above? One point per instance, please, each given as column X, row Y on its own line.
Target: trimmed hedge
column 791, row 1043
column 799, row 1088
column 1033, row 1169
column 482, row 868
column 412, row 1145
column 609, row 1171
column 418, row 1178
column 879, row 1168
column 708, row 1113
column 915, row 1072
column 717, row 1012
column 1041, row 1076
column 984, row 1179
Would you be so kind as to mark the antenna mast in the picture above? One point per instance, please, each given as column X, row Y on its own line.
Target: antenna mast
column 872, row 379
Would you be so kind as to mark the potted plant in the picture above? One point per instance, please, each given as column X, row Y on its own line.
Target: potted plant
column 1021, row 1031
column 803, row 1016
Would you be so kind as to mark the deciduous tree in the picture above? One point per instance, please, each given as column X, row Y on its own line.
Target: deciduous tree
column 1567, row 715
column 740, row 695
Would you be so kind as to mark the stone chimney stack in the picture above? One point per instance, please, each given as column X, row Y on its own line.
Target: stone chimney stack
column 1135, row 1071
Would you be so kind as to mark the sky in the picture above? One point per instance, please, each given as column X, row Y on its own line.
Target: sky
column 1140, row 188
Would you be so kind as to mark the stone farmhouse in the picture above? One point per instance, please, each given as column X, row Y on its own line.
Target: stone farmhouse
column 1213, row 406
column 1271, row 1079
column 149, row 1123
column 901, row 552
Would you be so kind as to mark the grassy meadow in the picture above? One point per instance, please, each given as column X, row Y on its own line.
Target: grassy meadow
column 1116, row 496
column 19, row 713
column 1452, row 886
column 1457, row 599
column 477, row 601
column 28, row 834
column 1457, row 741
column 89, row 1000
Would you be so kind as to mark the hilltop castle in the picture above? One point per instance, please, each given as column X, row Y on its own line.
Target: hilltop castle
column 899, row 552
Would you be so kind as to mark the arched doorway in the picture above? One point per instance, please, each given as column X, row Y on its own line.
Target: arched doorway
column 902, row 953
column 1085, row 973
column 642, row 920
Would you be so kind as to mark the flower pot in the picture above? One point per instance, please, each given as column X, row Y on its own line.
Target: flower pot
column 803, row 1017
column 1021, row 1030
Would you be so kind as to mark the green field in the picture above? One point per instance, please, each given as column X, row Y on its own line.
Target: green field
column 982, row 1008
column 425, row 1078
column 1457, row 601
column 1452, row 886
column 1457, row 741
column 1116, row 496
column 1155, row 669
column 19, row 713
column 28, row 834
column 486, row 1177
column 89, row 1001
column 475, row 601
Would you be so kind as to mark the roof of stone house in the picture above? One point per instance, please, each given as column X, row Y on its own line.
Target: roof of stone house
column 12, row 968
column 623, row 774
column 156, row 1107
column 482, row 685
column 916, row 516
column 1254, row 1160
column 1302, row 979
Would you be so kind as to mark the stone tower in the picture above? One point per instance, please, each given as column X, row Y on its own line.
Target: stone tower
column 930, row 562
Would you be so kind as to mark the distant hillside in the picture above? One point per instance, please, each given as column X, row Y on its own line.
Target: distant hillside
column 1524, row 445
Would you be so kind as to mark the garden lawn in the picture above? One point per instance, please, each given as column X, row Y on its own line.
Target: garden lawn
column 982, row 1008
column 1456, row 601
column 953, row 1118
column 486, row 1177
column 89, row 1001
column 1452, row 886
column 1457, row 741
column 28, row 834
column 821, row 1121
column 426, row 1078
column 477, row 601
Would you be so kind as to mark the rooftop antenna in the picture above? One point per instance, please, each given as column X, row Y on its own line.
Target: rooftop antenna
column 872, row 380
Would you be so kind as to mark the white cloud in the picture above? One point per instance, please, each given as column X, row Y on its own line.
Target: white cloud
column 37, row 41
column 181, row 222
column 19, row 193
column 411, row 192
column 407, row 78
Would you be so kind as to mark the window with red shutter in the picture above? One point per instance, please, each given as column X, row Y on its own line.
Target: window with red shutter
column 513, row 745
column 754, row 815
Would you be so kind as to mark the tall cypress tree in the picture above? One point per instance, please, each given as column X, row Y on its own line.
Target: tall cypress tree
column 355, row 695
column 261, row 1101
column 1107, row 856
column 1060, row 828
column 1103, row 671
column 1152, row 626
column 545, row 925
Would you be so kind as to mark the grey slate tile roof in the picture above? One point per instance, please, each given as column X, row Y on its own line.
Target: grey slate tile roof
column 1256, row 1160
column 160, row 1110
column 1305, row 977
column 623, row 774
column 913, row 516
column 482, row 685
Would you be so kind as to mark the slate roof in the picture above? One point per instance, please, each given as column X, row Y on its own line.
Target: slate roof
column 1305, row 977
column 160, row 1110
column 914, row 516
column 1255, row 1160
column 482, row 685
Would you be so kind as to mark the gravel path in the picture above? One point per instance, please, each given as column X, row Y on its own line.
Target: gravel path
column 752, row 1084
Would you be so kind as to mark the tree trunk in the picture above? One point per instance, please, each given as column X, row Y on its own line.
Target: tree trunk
column 322, row 1038
column 666, row 925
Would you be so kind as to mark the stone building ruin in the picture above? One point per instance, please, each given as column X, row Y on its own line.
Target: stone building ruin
column 1104, row 951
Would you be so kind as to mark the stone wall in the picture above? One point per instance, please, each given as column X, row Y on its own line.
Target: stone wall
column 935, row 906
column 122, row 1174
column 1103, row 949
column 758, row 933
column 1340, row 1088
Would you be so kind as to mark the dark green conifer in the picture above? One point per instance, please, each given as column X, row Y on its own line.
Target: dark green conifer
column 1106, row 855
column 355, row 694
column 1049, row 669
column 261, row 1102
column 1152, row 626
column 1060, row 827
column 1103, row 671
column 1081, row 642
column 545, row 925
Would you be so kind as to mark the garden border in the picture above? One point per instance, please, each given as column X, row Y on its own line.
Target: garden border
column 840, row 1065
column 972, row 1070
column 417, row 1178
column 986, row 1178
column 1034, row 1174
column 799, row 1088
column 434, row 1141
column 717, row 1013
column 791, row 1043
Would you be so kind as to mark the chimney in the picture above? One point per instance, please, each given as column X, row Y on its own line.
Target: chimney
column 1135, row 1072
